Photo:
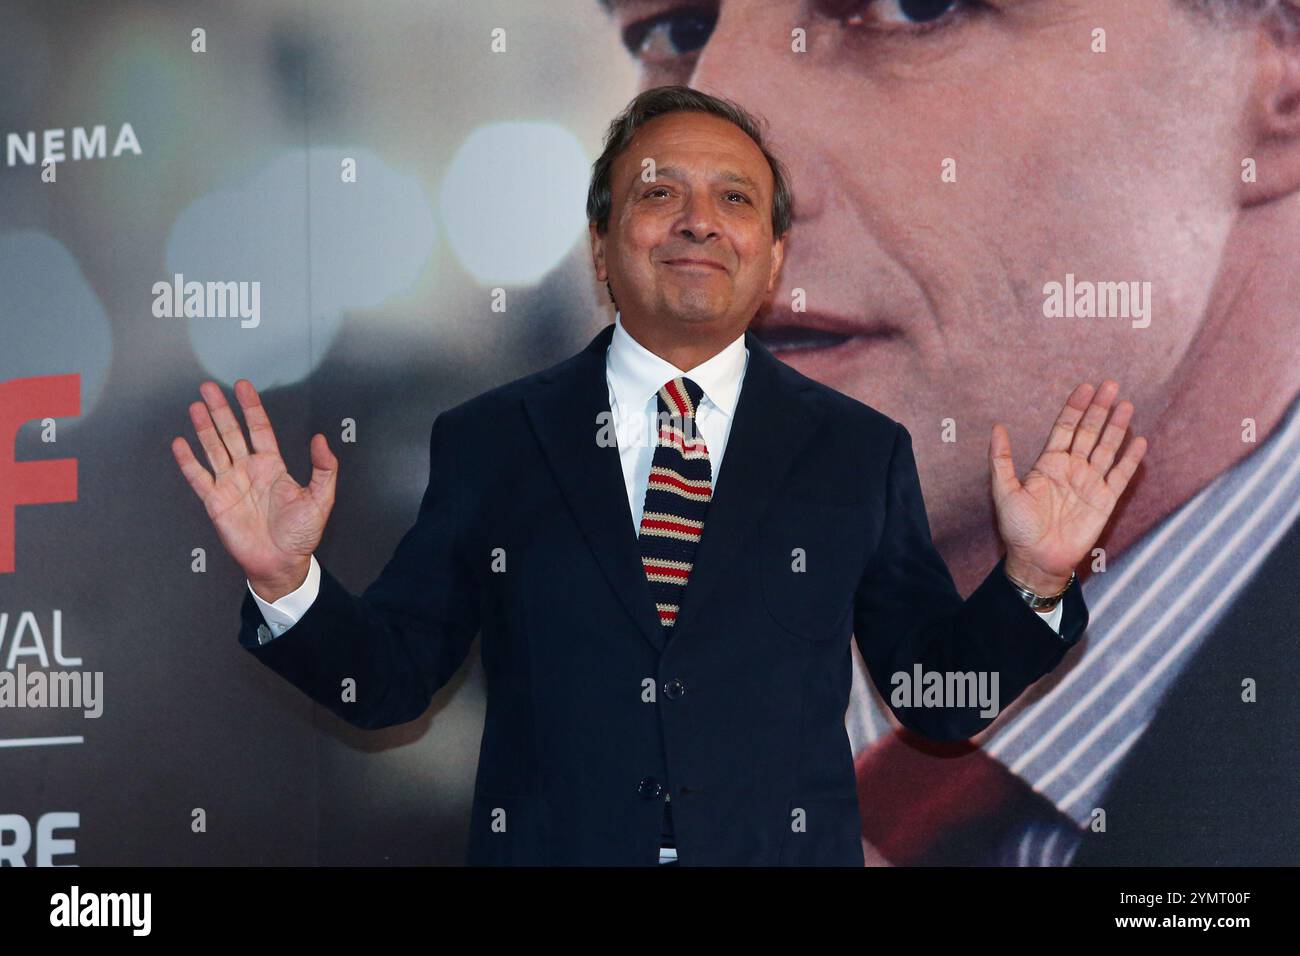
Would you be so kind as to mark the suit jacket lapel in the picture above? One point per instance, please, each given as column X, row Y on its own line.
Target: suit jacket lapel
column 774, row 417
column 564, row 413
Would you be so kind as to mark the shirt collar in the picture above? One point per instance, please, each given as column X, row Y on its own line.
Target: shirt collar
column 636, row 373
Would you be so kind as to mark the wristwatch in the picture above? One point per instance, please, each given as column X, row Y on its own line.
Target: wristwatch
column 1039, row 602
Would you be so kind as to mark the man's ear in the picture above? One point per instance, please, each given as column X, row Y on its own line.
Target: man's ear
column 778, row 256
column 597, row 252
column 1274, row 111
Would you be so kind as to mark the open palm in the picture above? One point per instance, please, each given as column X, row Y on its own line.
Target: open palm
column 1051, row 520
column 267, row 521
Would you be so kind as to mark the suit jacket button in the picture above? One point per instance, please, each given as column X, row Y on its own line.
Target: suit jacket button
column 674, row 689
column 650, row 787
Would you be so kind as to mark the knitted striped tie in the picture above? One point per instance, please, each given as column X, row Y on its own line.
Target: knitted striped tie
column 680, row 488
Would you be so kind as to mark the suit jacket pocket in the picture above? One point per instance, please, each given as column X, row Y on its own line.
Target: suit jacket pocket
column 809, row 556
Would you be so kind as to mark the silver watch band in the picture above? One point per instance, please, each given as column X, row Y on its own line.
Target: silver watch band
column 1039, row 602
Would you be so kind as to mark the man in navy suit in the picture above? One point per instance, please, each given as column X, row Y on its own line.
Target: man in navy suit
column 667, row 650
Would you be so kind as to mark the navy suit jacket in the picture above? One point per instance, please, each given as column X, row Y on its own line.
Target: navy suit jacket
column 594, row 713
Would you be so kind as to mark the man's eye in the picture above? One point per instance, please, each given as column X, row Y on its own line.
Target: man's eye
column 671, row 34
column 896, row 14
column 742, row 196
column 657, row 189
column 913, row 11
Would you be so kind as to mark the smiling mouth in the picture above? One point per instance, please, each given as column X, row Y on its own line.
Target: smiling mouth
column 695, row 264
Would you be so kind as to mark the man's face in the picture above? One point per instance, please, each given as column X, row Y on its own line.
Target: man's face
column 925, row 297
column 692, row 247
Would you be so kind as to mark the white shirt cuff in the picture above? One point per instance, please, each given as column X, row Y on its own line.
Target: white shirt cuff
column 1053, row 618
column 287, row 611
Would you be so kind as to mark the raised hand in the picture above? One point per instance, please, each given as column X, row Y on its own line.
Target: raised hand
column 1051, row 520
column 267, row 522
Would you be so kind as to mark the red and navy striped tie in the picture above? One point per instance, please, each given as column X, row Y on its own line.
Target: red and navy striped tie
column 680, row 488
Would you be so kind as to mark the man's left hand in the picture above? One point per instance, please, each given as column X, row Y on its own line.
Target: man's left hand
column 1050, row 521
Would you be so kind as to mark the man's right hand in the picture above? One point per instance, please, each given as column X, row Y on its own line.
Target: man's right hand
column 267, row 521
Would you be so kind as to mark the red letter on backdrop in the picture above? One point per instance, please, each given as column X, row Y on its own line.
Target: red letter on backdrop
column 33, row 482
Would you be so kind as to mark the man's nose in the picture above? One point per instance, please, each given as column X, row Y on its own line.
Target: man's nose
column 698, row 220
